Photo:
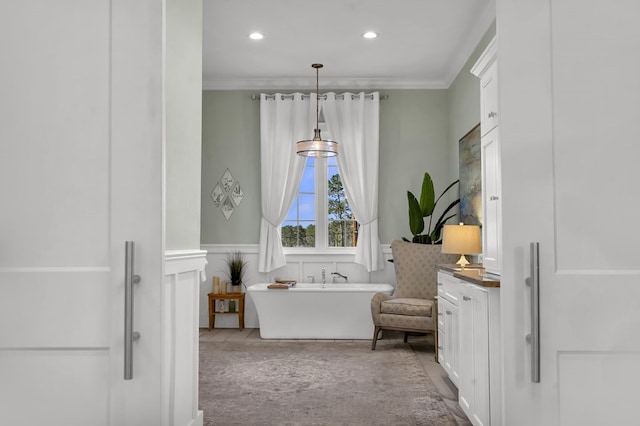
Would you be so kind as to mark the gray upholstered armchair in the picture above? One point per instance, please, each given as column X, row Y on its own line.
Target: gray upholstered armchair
column 412, row 306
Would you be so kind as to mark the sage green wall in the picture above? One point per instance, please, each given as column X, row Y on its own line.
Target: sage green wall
column 183, row 123
column 464, row 102
column 231, row 140
column 413, row 139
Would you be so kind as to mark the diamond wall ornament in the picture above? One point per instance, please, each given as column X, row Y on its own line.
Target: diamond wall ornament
column 227, row 207
column 237, row 194
column 217, row 194
column 227, row 194
column 227, row 181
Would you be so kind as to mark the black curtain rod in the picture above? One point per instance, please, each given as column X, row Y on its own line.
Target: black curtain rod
column 341, row 96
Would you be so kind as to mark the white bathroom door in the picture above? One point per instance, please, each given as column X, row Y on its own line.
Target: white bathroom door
column 569, row 86
column 81, row 172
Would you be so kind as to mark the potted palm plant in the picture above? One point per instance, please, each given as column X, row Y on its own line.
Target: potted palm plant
column 418, row 211
column 236, row 267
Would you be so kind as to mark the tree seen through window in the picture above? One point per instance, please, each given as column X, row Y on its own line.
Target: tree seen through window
column 342, row 227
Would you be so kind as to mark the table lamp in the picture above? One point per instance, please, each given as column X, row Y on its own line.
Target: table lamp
column 461, row 239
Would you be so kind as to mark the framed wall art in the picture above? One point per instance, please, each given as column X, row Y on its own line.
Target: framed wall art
column 470, row 178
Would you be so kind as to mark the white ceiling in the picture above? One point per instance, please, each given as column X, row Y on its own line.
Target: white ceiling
column 422, row 43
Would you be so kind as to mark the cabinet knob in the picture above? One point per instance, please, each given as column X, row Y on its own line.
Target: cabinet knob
column 440, row 284
column 448, row 312
column 494, row 198
column 466, row 298
column 493, row 114
column 439, row 314
column 440, row 347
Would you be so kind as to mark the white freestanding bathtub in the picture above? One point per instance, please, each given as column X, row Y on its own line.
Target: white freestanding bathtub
column 316, row 311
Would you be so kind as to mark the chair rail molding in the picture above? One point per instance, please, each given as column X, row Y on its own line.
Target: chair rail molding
column 179, row 261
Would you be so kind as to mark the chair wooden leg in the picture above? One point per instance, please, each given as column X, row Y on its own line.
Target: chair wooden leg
column 376, row 331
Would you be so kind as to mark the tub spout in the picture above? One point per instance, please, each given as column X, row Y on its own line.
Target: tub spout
column 338, row 274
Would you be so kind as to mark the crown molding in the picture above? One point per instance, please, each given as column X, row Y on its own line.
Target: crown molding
column 487, row 58
column 336, row 83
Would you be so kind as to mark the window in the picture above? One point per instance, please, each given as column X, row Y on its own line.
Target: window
column 320, row 215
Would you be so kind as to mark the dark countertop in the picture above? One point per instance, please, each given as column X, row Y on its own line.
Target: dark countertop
column 475, row 274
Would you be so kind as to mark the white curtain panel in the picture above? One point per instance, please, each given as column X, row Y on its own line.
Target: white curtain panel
column 353, row 120
column 283, row 122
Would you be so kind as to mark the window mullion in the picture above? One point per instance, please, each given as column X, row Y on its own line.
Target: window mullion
column 321, row 203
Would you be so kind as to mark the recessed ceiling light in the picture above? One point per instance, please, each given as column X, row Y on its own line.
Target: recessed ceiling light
column 370, row 34
column 256, row 36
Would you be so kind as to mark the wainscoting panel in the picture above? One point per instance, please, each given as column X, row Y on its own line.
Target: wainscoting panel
column 184, row 272
column 300, row 267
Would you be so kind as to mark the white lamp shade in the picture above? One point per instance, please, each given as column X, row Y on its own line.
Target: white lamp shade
column 461, row 239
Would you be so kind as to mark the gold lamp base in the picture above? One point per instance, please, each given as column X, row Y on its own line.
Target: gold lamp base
column 462, row 262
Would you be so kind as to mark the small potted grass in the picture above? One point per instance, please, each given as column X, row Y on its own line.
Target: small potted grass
column 236, row 267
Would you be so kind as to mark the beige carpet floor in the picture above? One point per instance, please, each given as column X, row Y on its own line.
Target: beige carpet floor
column 255, row 382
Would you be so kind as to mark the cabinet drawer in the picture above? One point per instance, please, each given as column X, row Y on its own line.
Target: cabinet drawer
column 448, row 288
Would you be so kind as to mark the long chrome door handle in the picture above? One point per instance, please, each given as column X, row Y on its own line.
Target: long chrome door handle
column 534, row 338
column 129, row 335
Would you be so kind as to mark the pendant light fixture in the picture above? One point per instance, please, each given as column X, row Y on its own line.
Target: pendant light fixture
column 317, row 147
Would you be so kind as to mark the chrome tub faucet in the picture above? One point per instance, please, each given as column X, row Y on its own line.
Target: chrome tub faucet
column 338, row 274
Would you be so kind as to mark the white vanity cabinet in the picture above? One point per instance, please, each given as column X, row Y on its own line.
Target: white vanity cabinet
column 474, row 361
column 486, row 68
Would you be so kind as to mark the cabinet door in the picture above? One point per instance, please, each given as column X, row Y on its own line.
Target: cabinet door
column 491, row 203
column 481, row 389
column 465, row 389
column 451, row 344
column 489, row 100
column 473, row 391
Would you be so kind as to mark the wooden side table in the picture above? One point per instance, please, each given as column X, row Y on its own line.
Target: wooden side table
column 227, row 296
